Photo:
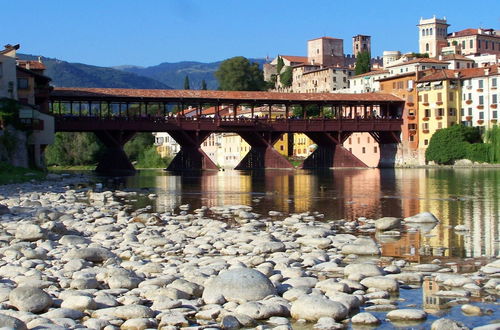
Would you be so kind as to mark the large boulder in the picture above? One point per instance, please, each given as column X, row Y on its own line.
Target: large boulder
column 387, row 223
column 448, row 324
column 424, row 217
column 10, row 322
column 29, row 232
column 30, row 299
column 361, row 270
column 382, row 283
column 239, row 284
column 365, row 319
column 407, row 315
column 314, row 307
column 361, row 246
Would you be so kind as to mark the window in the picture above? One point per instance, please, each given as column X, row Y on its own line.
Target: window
column 481, row 114
column 470, row 112
column 412, row 126
column 22, row 83
column 375, row 150
column 463, row 44
column 481, row 83
column 364, row 150
column 494, row 99
column 479, row 44
column 440, row 97
column 452, row 112
column 493, row 81
column 450, row 96
column 350, row 140
column 440, row 112
column 494, row 114
column 471, row 43
column 368, row 140
column 427, row 112
column 426, row 142
column 481, row 99
column 411, row 138
column 462, row 112
column 426, row 98
column 425, row 126
column 426, row 47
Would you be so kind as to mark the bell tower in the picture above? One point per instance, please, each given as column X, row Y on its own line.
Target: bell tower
column 432, row 34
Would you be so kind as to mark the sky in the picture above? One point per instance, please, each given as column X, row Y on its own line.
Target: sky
column 150, row 32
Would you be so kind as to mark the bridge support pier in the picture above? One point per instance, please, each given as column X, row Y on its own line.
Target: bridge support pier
column 191, row 156
column 262, row 153
column 388, row 146
column 330, row 152
column 115, row 161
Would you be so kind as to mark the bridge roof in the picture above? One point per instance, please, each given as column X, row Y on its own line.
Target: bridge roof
column 172, row 95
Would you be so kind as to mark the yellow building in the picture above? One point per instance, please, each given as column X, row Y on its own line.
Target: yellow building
column 439, row 102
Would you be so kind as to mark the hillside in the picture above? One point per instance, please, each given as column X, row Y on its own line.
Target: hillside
column 173, row 74
column 65, row 74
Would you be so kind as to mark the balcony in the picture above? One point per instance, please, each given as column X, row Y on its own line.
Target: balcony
column 479, row 90
column 425, row 119
column 425, row 131
column 439, row 103
column 439, row 117
column 480, row 107
column 425, row 104
column 480, row 122
column 468, row 102
column 411, row 117
column 493, row 106
column 468, row 118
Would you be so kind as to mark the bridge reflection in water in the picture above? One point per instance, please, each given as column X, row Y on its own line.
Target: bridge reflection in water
column 116, row 115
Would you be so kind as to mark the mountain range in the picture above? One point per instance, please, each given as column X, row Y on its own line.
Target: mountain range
column 162, row 76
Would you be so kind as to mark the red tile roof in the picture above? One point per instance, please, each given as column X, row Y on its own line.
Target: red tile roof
column 371, row 73
column 456, row 57
column 419, row 60
column 173, row 95
column 295, row 59
column 440, row 74
column 471, row 32
column 31, row 65
column 477, row 72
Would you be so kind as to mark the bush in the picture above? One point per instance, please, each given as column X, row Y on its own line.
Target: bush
column 150, row 158
column 450, row 144
column 71, row 149
column 479, row 152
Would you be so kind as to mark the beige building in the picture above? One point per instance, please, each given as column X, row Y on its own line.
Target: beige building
column 326, row 51
column 432, row 36
column 8, row 77
column 315, row 79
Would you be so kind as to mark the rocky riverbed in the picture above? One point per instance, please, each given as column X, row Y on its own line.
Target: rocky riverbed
column 75, row 258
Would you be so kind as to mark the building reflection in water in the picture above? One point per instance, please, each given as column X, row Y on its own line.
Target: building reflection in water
column 468, row 197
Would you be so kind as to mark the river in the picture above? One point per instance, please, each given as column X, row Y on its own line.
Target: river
column 469, row 198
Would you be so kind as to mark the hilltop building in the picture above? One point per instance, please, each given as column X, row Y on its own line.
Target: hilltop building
column 24, row 82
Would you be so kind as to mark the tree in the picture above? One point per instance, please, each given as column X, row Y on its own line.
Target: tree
column 362, row 62
column 186, row 82
column 238, row 74
column 279, row 65
column 138, row 144
column 204, row 85
column 286, row 78
column 449, row 144
column 74, row 149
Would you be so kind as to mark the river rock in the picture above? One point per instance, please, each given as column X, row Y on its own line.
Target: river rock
column 139, row 324
column 10, row 322
column 314, row 307
column 407, row 315
column 447, row 324
column 239, row 284
column 382, row 283
column 29, row 232
column 363, row 270
column 125, row 312
column 94, row 254
column 365, row 318
column 471, row 310
column 387, row 223
column 361, row 246
column 29, row 299
column 424, row 217
column 80, row 303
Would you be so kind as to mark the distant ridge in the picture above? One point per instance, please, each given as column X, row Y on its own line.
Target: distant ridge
column 65, row 74
column 173, row 74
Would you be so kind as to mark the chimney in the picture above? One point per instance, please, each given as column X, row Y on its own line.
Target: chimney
column 487, row 71
column 39, row 59
column 457, row 74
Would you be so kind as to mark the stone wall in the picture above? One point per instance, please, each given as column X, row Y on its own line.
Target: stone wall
column 17, row 155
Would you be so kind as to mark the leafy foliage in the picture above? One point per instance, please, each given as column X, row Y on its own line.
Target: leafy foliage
column 311, row 110
column 279, row 65
column 9, row 112
column 136, row 146
column 203, row 85
column 420, row 55
column 150, row 158
column 450, row 144
column 363, row 62
column 238, row 74
column 492, row 136
column 286, row 77
column 74, row 149
column 186, row 83
column 479, row 152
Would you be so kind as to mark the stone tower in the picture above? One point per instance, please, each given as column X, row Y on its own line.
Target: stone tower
column 326, row 51
column 432, row 34
column 361, row 43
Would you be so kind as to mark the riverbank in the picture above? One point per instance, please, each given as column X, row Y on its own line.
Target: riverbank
column 12, row 174
column 73, row 256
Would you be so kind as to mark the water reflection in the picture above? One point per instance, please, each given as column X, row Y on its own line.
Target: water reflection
column 468, row 197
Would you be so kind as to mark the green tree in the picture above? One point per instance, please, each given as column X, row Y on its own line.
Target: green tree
column 449, row 144
column 9, row 112
column 492, row 136
column 138, row 144
column 204, row 85
column 74, row 149
column 362, row 62
column 186, row 82
column 286, row 78
column 238, row 74
column 279, row 65
column 150, row 158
